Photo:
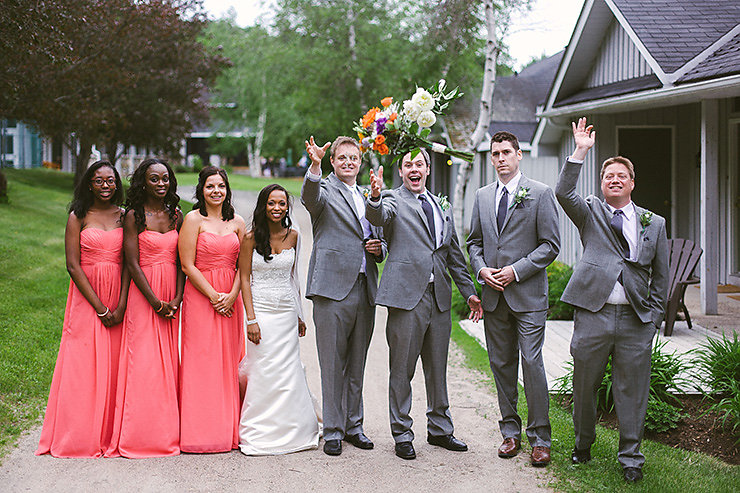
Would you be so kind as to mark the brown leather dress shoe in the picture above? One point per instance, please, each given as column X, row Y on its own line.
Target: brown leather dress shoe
column 509, row 448
column 540, row 456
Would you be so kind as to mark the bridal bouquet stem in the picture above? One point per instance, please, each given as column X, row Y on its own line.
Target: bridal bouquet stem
column 399, row 129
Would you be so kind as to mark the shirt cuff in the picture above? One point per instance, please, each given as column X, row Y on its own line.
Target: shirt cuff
column 478, row 277
column 575, row 161
column 313, row 177
column 516, row 276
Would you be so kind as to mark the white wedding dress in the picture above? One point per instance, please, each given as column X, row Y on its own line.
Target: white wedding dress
column 279, row 414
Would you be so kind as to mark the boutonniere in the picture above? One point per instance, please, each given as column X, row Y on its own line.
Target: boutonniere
column 645, row 219
column 520, row 196
column 365, row 192
column 443, row 202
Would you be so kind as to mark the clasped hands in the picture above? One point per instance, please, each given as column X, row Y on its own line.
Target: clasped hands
column 497, row 279
column 223, row 303
column 167, row 310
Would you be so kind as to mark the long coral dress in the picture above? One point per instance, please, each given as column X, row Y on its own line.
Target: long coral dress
column 212, row 346
column 147, row 418
column 79, row 413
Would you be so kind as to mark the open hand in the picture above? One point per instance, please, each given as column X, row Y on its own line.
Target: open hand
column 584, row 136
column 376, row 183
column 476, row 310
column 316, row 153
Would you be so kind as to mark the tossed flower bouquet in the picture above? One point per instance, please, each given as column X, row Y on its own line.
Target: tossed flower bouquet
column 398, row 130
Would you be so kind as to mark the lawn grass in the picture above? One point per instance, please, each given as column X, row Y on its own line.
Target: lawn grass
column 666, row 468
column 244, row 182
column 33, row 291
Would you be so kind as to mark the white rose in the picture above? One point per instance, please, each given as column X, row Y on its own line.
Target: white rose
column 426, row 119
column 411, row 109
column 423, row 99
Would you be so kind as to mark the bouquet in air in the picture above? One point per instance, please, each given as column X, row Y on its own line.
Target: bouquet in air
column 399, row 129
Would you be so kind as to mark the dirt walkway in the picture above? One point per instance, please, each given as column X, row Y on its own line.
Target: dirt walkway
column 473, row 408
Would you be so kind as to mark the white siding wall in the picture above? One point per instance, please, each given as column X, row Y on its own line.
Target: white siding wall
column 618, row 59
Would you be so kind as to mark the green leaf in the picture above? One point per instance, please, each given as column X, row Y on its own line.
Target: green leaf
column 425, row 133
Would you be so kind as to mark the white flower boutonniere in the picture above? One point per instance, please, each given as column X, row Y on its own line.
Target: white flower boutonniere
column 443, row 202
column 520, row 196
column 365, row 192
column 645, row 219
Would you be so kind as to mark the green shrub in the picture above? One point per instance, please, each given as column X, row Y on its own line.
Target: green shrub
column 181, row 168
column 558, row 275
column 718, row 365
column 664, row 382
column 197, row 163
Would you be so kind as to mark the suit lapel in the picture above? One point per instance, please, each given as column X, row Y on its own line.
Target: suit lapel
column 347, row 195
column 606, row 216
column 492, row 207
column 446, row 229
column 642, row 233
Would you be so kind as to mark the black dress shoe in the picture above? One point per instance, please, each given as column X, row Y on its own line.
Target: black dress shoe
column 632, row 474
column 447, row 441
column 580, row 456
column 359, row 441
column 405, row 450
column 333, row 447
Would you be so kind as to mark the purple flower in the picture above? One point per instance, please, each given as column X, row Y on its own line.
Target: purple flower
column 380, row 124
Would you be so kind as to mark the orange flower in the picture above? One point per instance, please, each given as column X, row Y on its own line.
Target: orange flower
column 380, row 139
column 393, row 117
column 383, row 150
column 359, row 137
column 369, row 117
column 386, row 102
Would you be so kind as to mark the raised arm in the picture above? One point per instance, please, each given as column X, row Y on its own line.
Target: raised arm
column 74, row 267
column 380, row 210
column 311, row 195
column 573, row 204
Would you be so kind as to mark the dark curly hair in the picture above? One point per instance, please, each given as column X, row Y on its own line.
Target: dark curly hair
column 260, row 223
column 136, row 193
column 84, row 198
column 227, row 210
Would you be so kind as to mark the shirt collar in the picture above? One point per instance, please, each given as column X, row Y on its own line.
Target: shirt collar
column 512, row 185
column 628, row 210
column 351, row 188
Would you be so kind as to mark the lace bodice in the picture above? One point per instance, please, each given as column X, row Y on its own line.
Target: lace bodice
column 271, row 280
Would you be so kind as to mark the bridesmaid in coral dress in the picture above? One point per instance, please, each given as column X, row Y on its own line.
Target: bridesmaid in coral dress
column 147, row 419
column 79, row 414
column 212, row 319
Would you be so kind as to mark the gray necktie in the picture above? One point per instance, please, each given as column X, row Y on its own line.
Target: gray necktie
column 502, row 206
column 427, row 208
column 616, row 224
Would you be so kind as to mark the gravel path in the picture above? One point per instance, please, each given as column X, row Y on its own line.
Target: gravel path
column 474, row 411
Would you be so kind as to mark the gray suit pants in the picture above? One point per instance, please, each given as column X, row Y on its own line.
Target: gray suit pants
column 422, row 331
column 343, row 332
column 617, row 331
column 507, row 334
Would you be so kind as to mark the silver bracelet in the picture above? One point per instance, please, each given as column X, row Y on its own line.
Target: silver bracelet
column 250, row 322
column 106, row 312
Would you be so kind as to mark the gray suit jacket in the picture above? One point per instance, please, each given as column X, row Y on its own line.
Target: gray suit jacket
column 413, row 255
column 645, row 279
column 529, row 241
column 338, row 247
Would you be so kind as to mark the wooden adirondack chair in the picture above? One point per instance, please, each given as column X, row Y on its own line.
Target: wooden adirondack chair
column 684, row 255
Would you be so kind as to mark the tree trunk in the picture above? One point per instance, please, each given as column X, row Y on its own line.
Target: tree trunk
column 82, row 157
column 484, row 118
column 352, row 42
column 255, row 167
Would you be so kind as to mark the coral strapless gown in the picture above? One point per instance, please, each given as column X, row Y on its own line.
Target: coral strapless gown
column 147, row 418
column 212, row 346
column 79, row 414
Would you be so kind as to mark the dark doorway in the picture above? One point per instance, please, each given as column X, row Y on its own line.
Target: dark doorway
column 651, row 151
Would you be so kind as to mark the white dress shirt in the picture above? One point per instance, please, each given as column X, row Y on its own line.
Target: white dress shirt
column 629, row 230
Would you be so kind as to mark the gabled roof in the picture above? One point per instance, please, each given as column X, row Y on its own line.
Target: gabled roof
column 516, row 97
column 725, row 61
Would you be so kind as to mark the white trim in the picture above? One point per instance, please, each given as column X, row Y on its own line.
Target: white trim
column 646, row 97
column 664, row 79
column 205, row 135
column 691, row 64
column 570, row 49
column 733, row 234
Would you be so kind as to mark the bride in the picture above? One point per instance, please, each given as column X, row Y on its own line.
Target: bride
column 278, row 414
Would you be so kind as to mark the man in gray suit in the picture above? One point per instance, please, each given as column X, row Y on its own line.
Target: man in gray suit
column 513, row 237
column 342, row 282
column 415, row 286
column 619, row 290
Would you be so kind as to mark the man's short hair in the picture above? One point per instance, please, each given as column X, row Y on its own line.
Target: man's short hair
column 618, row 160
column 505, row 136
column 342, row 140
column 424, row 153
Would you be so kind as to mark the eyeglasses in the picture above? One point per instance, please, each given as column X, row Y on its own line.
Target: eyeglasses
column 99, row 181
column 352, row 159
